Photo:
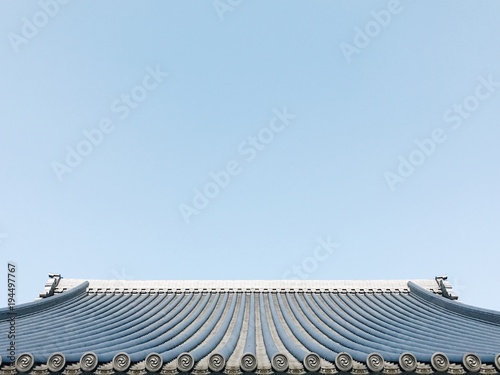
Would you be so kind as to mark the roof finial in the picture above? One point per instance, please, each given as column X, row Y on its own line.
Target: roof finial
column 51, row 285
column 445, row 287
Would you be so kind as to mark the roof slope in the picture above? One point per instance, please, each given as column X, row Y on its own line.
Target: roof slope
column 254, row 326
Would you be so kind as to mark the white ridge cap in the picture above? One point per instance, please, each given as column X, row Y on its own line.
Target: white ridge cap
column 96, row 286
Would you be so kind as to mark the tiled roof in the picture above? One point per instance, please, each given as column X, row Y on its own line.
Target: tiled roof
column 259, row 326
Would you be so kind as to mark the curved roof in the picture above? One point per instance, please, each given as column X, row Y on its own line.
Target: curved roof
column 253, row 326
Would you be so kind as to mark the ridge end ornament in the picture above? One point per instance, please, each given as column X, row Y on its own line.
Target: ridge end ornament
column 248, row 362
column 185, row 362
column 343, row 361
column 408, row 362
column 154, row 362
column 121, row 362
column 56, row 362
column 375, row 362
column 472, row 362
column 88, row 362
column 312, row 362
column 216, row 362
column 440, row 362
column 25, row 362
column 280, row 362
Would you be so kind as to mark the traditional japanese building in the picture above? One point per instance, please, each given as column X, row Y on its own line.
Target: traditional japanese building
column 261, row 327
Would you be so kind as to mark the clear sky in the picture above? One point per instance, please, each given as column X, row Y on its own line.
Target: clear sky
column 245, row 139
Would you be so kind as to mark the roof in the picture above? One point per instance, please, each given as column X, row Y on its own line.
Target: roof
column 259, row 326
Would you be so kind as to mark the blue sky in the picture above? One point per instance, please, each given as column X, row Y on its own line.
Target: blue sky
column 231, row 139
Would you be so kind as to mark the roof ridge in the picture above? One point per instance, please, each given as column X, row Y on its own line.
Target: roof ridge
column 168, row 286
